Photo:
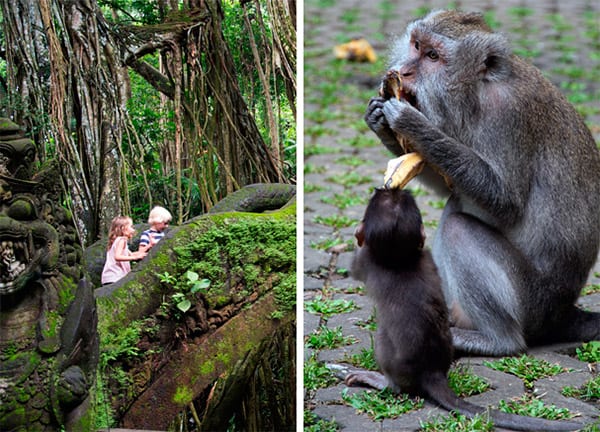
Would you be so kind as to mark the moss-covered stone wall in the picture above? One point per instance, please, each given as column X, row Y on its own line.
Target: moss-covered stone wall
column 249, row 259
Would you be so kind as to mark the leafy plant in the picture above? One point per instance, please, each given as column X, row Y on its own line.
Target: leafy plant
column 167, row 278
column 182, row 298
column 588, row 391
column 529, row 405
column 325, row 337
column 465, row 383
column 438, row 204
column 195, row 284
column 315, row 149
column 336, row 221
column 431, row 224
column 120, row 345
column 345, row 199
column 331, row 242
column 368, row 324
column 311, row 187
column 317, row 375
column 312, row 423
column 589, row 352
column 365, row 359
column 353, row 161
column 590, row 289
column 382, row 404
column 525, row 367
column 314, row 169
column 328, row 307
column 455, row 422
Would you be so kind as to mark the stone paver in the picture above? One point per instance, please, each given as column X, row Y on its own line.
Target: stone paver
column 344, row 161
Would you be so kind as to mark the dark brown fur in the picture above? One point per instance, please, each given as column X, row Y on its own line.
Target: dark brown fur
column 413, row 345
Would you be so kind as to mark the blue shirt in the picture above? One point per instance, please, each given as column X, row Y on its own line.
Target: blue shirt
column 145, row 237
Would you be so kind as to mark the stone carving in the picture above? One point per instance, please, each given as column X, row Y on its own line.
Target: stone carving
column 48, row 335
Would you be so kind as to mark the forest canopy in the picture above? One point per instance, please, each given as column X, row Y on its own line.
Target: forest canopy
column 175, row 103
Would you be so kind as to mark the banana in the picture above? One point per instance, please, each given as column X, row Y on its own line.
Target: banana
column 391, row 86
column 402, row 170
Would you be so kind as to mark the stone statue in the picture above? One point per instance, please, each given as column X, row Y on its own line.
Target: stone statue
column 48, row 321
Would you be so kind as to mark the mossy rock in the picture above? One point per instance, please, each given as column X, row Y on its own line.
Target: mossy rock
column 240, row 253
column 257, row 198
column 250, row 259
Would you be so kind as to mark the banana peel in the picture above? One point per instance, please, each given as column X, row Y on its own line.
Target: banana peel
column 358, row 50
column 402, row 170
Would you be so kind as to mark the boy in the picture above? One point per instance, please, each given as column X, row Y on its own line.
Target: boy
column 158, row 219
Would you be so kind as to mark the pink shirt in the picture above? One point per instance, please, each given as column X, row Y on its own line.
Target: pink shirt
column 113, row 269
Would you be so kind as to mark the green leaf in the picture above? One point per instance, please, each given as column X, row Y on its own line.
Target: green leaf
column 192, row 276
column 200, row 285
column 184, row 305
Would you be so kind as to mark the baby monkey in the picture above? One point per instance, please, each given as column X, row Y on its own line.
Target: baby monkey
column 413, row 344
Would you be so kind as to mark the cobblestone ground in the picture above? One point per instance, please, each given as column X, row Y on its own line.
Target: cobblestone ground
column 344, row 161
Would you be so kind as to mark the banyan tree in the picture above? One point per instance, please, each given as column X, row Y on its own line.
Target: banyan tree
column 174, row 102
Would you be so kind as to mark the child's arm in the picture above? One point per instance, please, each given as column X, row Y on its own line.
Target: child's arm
column 120, row 251
column 146, row 242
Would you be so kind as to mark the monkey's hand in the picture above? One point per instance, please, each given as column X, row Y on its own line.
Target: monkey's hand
column 406, row 121
column 402, row 170
column 403, row 119
column 377, row 121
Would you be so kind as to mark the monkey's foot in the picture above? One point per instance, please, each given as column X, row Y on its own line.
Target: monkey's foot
column 341, row 370
column 366, row 378
column 355, row 377
column 402, row 170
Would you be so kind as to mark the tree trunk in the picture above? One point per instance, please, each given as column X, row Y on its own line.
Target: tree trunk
column 83, row 92
column 68, row 84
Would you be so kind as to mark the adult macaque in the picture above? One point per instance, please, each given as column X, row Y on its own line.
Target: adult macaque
column 413, row 345
column 521, row 229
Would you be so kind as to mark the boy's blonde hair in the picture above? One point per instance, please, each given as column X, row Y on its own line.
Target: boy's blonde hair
column 117, row 226
column 159, row 214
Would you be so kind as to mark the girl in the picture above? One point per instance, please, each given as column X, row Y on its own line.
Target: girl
column 118, row 255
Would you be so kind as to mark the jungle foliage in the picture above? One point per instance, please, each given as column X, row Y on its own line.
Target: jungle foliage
column 176, row 103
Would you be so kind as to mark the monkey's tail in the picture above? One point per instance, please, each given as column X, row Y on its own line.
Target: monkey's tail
column 581, row 326
column 438, row 390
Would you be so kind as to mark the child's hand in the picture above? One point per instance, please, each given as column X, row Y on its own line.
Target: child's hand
column 139, row 254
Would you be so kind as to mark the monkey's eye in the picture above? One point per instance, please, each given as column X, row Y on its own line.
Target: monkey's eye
column 433, row 55
column 417, row 45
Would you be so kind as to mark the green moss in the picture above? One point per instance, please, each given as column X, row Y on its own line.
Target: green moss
column 183, row 395
column 66, row 293
column 249, row 346
column 224, row 357
column 285, row 295
column 238, row 255
column 207, row 367
column 53, row 323
column 9, row 350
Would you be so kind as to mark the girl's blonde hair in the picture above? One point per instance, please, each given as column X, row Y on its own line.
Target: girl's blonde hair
column 159, row 214
column 117, row 226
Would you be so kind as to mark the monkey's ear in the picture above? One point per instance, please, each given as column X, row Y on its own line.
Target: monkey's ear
column 359, row 233
column 487, row 53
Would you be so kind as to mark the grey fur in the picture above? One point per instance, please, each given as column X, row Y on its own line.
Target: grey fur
column 521, row 230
